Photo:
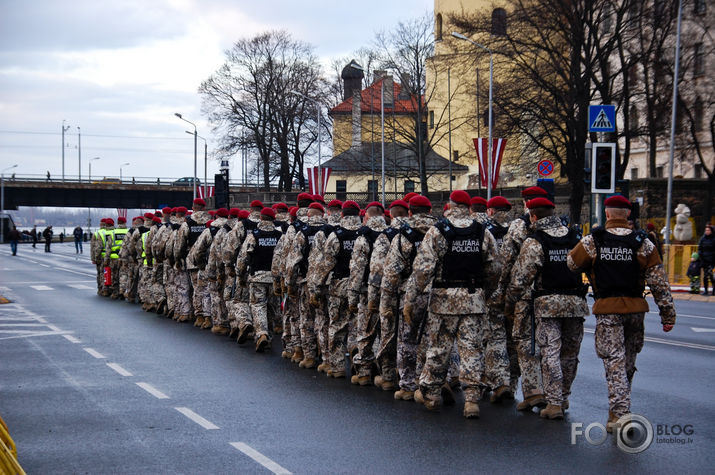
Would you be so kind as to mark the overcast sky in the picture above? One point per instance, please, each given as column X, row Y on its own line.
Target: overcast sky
column 120, row 70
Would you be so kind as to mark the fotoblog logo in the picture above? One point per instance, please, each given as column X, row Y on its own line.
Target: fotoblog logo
column 633, row 432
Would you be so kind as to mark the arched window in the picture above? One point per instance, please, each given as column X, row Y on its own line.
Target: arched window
column 499, row 22
column 438, row 27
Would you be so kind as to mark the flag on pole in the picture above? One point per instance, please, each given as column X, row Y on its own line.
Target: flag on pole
column 498, row 146
column 122, row 212
column 313, row 180
column 200, row 191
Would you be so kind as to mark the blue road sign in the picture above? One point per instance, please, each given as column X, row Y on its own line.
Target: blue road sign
column 602, row 118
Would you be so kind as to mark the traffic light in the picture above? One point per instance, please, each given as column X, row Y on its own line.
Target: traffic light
column 603, row 168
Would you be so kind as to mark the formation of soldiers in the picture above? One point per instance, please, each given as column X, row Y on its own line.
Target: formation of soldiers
column 399, row 298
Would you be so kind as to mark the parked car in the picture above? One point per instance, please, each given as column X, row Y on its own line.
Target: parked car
column 186, row 181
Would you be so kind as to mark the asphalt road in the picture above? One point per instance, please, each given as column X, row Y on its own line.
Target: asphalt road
column 90, row 385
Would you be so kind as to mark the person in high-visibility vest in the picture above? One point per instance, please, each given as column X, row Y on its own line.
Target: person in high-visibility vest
column 97, row 252
column 113, row 245
column 128, row 262
column 145, row 263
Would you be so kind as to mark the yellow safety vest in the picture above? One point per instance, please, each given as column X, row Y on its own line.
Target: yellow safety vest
column 144, row 235
column 117, row 241
column 103, row 238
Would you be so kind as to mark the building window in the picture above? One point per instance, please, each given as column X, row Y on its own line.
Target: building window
column 455, row 155
column 659, row 172
column 699, row 60
column 698, row 114
column 409, row 186
column 633, row 119
column 438, row 27
column 372, row 189
column 341, row 188
column 431, row 119
column 700, row 7
column 634, row 173
column 499, row 22
column 698, row 171
column 633, row 77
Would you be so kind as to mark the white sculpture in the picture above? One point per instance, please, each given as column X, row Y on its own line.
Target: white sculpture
column 683, row 229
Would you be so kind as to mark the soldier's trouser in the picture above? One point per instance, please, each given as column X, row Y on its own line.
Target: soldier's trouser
column 367, row 328
column 144, row 287
column 183, row 308
column 528, row 364
column 290, row 312
column 243, row 307
column 322, row 325
column 133, row 286
column 169, row 287
column 560, row 341
column 113, row 289
column 619, row 339
column 496, row 356
column 412, row 344
column 262, row 308
column 387, row 352
column 308, row 337
column 514, row 370
column 443, row 330
column 216, row 307
column 123, row 278
column 200, row 292
column 340, row 318
column 100, row 278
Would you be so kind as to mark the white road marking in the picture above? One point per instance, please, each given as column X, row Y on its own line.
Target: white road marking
column 702, row 330
column 81, row 287
column 152, row 390
column 685, row 315
column 260, row 458
column 26, row 325
column 72, row 339
column 694, row 346
column 44, row 265
column 197, row 418
column 54, row 327
column 25, row 334
column 119, row 369
column 41, row 287
column 94, row 353
column 45, row 282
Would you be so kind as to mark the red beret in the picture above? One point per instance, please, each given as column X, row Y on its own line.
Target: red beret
column 317, row 206
column 243, row 214
column 362, row 213
column 208, row 223
column 166, row 210
column 533, row 191
column 103, row 220
column 460, row 197
column 410, row 195
column 181, row 209
column 148, row 215
column 121, row 220
column 419, row 200
column 222, row 213
column 335, row 204
column 318, row 199
column 305, row 197
column 498, row 202
column 175, row 209
column 109, row 222
column 189, row 212
column 539, row 202
column 137, row 218
column 212, row 213
column 400, row 203
column 650, row 227
column 478, row 200
column 268, row 212
column 199, row 201
column 375, row 203
column 351, row 204
column 156, row 220
column 617, row 201
column 282, row 206
column 157, row 214
column 446, row 207
column 256, row 204
column 293, row 211
column 234, row 212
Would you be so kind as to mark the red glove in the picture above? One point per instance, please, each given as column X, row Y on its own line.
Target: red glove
column 667, row 328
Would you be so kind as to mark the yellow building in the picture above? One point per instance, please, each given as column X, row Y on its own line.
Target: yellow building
column 357, row 163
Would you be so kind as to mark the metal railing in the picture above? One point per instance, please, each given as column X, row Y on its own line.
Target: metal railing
column 114, row 180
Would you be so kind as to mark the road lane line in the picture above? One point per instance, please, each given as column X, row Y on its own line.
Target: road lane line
column 94, row 353
column 41, row 287
column 702, row 330
column 54, row 327
column 685, row 315
column 197, row 418
column 694, row 346
column 260, row 458
column 152, row 390
column 119, row 369
column 44, row 265
column 71, row 339
column 81, row 287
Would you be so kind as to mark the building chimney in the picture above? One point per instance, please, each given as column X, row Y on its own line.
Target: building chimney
column 404, row 87
column 389, row 87
column 352, row 76
column 357, row 118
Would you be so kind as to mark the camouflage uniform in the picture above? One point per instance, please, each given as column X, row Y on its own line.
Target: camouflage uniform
column 158, row 252
column 199, row 256
column 239, row 309
column 411, row 346
column 181, row 307
column 97, row 253
column 455, row 313
column 518, row 317
column 145, row 263
column 125, row 263
column 559, row 317
column 216, row 274
column 619, row 320
column 133, row 255
column 367, row 320
column 182, row 250
column 320, row 276
column 111, row 259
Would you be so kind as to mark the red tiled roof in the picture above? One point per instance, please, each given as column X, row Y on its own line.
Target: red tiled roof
column 371, row 101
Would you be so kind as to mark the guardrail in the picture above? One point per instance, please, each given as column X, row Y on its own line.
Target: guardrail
column 115, row 180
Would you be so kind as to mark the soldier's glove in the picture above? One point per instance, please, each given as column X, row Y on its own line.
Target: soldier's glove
column 315, row 300
column 407, row 312
column 373, row 306
column 667, row 328
column 277, row 289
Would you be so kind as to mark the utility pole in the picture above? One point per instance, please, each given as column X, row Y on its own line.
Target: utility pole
column 64, row 129
column 79, row 153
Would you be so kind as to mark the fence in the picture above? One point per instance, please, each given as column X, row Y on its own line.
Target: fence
column 677, row 260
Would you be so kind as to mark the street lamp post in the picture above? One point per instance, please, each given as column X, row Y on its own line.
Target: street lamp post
column 79, row 153
column 206, row 153
column 317, row 107
column 90, row 168
column 64, row 129
column 491, row 83
column 2, row 202
column 120, row 170
column 195, row 141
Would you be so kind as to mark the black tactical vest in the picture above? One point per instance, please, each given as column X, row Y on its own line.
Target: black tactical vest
column 195, row 230
column 415, row 237
column 462, row 263
column 175, row 226
column 347, row 239
column 283, row 225
column 227, row 227
column 213, row 230
column 142, row 229
column 616, row 269
column 266, row 242
column 391, row 232
column 371, row 236
column 556, row 277
column 498, row 231
column 309, row 232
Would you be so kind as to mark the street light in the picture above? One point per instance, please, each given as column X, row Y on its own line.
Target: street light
column 64, row 129
column 491, row 82
column 317, row 107
column 120, row 171
column 79, row 153
column 195, row 137
column 90, row 168
column 206, row 151
column 2, row 202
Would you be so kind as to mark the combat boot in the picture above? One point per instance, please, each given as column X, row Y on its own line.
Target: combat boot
column 419, row 397
column 243, row 334
column 501, row 393
column 207, row 323
column 404, row 395
column 219, row 330
column 361, row 380
column 287, row 354
column 323, row 367
column 336, row 373
column 535, row 400
column 261, row 344
column 381, row 383
column 448, row 395
column 433, row 404
column 565, row 404
column 471, row 410
column 234, row 332
column 307, row 363
column 199, row 321
column 612, row 422
column 552, row 411
column 297, row 355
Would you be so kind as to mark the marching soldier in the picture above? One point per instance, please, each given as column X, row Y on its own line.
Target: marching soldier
column 144, row 282
column 183, row 303
column 96, row 252
column 620, row 262
column 127, row 261
column 478, row 209
column 199, row 255
column 158, row 251
column 115, row 239
column 559, row 301
column 188, row 234
column 220, row 286
column 457, row 255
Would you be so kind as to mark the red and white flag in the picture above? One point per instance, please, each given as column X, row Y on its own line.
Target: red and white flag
column 498, row 146
column 200, row 191
column 122, row 212
column 313, row 180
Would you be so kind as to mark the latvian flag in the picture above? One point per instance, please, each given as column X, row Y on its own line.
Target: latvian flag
column 498, row 146
column 200, row 191
column 313, row 180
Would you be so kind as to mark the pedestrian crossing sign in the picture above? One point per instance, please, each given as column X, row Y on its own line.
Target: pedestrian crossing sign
column 602, row 118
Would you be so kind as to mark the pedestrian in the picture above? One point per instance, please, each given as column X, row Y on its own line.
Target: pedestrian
column 34, row 236
column 694, row 273
column 77, row 233
column 47, row 234
column 620, row 262
column 62, row 237
column 14, row 236
column 48, row 175
column 706, row 250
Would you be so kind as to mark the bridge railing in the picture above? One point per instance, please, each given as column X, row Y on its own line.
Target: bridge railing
column 113, row 180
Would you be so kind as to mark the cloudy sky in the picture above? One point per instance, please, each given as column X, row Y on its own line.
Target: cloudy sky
column 120, row 69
